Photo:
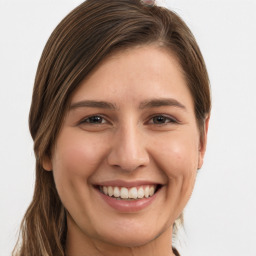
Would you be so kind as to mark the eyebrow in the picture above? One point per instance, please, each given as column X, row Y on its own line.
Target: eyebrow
column 152, row 103
column 92, row 104
column 161, row 102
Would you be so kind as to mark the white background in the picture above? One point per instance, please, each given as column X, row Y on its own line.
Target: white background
column 220, row 219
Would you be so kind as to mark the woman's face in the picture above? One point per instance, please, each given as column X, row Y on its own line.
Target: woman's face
column 126, row 157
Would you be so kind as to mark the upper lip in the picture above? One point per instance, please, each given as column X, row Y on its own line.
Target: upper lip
column 127, row 184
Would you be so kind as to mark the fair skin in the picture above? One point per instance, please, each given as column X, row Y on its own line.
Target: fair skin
column 131, row 125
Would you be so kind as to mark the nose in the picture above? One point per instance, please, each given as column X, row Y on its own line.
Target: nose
column 128, row 151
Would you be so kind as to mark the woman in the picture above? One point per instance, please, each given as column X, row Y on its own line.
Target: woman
column 119, row 119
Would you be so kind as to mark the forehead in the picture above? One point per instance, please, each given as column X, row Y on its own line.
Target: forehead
column 134, row 75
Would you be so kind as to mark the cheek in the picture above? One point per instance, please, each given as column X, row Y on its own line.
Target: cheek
column 177, row 155
column 177, row 158
column 78, row 154
column 76, row 157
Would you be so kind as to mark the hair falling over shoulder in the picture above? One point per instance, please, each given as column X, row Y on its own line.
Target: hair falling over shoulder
column 43, row 227
column 83, row 38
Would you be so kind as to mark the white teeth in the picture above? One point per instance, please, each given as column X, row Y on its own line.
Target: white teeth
column 133, row 193
column 129, row 193
column 147, row 191
column 116, row 192
column 110, row 191
column 124, row 192
column 151, row 191
column 141, row 192
column 105, row 190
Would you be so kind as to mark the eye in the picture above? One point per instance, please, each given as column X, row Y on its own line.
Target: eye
column 94, row 120
column 162, row 119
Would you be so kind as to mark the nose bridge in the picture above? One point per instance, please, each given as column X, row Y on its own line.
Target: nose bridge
column 128, row 149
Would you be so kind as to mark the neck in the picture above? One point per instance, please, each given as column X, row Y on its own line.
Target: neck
column 79, row 243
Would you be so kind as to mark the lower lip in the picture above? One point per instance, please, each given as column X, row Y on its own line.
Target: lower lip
column 126, row 206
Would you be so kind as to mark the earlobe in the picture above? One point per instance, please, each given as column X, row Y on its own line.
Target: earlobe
column 47, row 163
column 203, row 143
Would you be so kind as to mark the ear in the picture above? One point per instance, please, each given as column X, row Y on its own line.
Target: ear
column 203, row 142
column 47, row 163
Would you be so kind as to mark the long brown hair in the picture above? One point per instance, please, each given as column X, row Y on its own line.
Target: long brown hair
column 81, row 41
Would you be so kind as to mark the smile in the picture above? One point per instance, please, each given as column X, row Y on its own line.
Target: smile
column 128, row 197
column 133, row 193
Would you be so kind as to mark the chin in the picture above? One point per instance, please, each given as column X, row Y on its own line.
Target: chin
column 130, row 238
column 130, row 241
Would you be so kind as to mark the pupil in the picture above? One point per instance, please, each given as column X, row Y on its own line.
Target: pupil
column 95, row 119
column 159, row 119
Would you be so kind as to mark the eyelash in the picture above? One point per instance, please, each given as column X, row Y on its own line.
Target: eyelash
column 166, row 120
column 87, row 120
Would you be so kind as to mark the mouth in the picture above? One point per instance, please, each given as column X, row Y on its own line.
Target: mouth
column 129, row 193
